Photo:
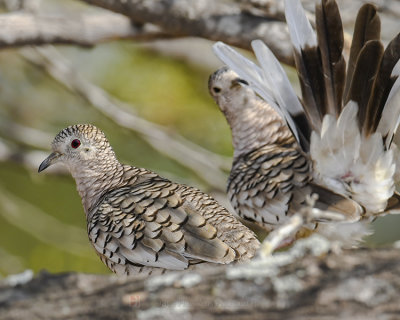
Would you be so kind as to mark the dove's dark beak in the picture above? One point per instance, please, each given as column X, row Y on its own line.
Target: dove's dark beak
column 241, row 81
column 51, row 159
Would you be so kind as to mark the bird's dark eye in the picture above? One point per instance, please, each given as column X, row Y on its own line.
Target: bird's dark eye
column 75, row 143
column 216, row 90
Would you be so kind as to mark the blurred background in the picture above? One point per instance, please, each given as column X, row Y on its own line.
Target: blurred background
column 151, row 100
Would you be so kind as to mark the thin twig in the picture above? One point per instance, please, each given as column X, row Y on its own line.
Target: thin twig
column 26, row 158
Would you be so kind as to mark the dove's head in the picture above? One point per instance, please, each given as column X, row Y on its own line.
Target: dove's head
column 80, row 147
column 228, row 89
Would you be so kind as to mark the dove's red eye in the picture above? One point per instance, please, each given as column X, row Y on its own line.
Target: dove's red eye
column 75, row 143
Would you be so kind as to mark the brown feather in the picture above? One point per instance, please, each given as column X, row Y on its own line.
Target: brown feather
column 367, row 27
column 331, row 201
column 393, row 205
column 330, row 41
column 364, row 75
column 309, row 69
column 383, row 83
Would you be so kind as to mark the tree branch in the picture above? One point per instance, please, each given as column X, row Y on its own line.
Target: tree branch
column 28, row 159
column 23, row 28
column 305, row 284
column 209, row 19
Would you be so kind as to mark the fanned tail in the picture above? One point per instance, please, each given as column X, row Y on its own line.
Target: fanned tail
column 371, row 79
column 371, row 76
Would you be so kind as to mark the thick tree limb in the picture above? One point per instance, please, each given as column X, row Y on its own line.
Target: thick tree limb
column 209, row 19
column 23, row 28
column 357, row 284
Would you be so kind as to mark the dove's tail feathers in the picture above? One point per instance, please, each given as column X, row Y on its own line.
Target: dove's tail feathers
column 308, row 62
column 367, row 27
column 365, row 71
column 319, row 60
column 372, row 75
column 351, row 150
column 383, row 105
column 390, row 119
column 330, row 43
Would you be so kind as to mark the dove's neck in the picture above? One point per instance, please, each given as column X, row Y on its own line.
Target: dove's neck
column 255, row 126
column 94, row 179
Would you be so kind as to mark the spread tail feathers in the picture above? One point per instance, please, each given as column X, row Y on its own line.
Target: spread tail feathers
column 326, row 87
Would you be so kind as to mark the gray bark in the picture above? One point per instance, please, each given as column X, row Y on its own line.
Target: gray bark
column 24, row 28
column 213, row 20
column 354, row 284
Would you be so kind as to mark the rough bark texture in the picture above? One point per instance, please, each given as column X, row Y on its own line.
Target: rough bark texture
column 213, row 20
column 22, row 28
column 355, row 284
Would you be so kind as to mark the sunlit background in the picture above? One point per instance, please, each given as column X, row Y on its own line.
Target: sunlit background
column 42, row 224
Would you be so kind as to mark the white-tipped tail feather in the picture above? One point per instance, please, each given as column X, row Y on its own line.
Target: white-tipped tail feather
column 391, row 113
column 300, row 29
